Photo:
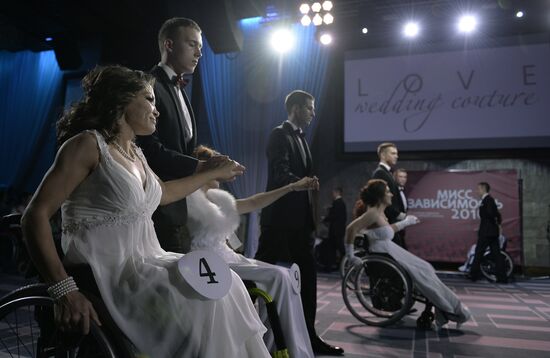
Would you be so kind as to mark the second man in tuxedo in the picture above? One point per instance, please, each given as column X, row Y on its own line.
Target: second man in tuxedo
column 288, row 224
column 488, row 234
column 387, row 153
column 169, row 149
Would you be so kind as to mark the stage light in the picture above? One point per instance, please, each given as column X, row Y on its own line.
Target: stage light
column 327, row 5
column 325, row 39
column 304, row 8
column 282, row 40
column 306, row 20
column 316, row 7
column 48, row 39
column 364, row 30
column 520, row 14
column 467, row 24
column 317, row 20
column 328, row 19
column 411, row 29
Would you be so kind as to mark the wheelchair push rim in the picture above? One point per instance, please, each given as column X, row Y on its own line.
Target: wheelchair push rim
column 378, row 300
column 488, row 266
column 23, row 323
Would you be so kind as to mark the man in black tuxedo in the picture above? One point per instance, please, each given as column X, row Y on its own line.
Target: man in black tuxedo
column 288, row 224
column 487, row 234
column 336, row 220
column 169, row 149
column 387, row 152
column 400, row 177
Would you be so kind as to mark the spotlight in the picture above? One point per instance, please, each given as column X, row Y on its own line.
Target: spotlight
column 317, row 20
column 520, row 14
column 411, row 29
column 327, row 5
column 467, row 24
column 328, row 19
column 306, row 20
column 282, row 40
column 325, row 39
column 304, row 8
column 316, row 7
column 48, row 39
column 364, row 30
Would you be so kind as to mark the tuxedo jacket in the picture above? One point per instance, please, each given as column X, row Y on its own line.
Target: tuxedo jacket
column 336, row 219
column 396, row 207
column 489, row 216
column 168, row 150
column 284, row 166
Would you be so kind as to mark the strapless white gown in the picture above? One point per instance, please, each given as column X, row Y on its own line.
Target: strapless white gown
column 107, row 224
column 212, row 219
column 446, row 303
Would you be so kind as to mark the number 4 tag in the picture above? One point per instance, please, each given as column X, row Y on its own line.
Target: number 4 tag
column 206, row 273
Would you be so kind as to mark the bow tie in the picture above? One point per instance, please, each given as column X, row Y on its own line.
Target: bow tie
column 299, row 133
column 180, row 81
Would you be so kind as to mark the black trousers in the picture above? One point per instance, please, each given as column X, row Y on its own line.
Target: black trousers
column 482, row 243
column 280, row 246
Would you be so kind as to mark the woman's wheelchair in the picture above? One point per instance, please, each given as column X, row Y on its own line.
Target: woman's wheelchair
column 487, row 264
column 27, row 327
column 380, row 292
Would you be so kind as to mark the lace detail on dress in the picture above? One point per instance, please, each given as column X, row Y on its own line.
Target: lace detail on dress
column 72, row 227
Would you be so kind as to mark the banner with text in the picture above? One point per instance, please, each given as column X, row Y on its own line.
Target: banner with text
column 471, row 99
column 446, row 202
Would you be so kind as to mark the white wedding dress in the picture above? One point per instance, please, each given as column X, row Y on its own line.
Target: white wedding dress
column 446, row 303
column 107, row 224
column 212, row 219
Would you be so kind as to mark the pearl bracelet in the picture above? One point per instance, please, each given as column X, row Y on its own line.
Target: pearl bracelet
column 61, row 288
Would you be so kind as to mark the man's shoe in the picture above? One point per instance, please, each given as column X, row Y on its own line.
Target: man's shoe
column 321, row 347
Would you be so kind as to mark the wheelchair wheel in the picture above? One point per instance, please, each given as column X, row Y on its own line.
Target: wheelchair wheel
column 27, row 329
column 344, row 264
column 379, row 293
column 488, row 266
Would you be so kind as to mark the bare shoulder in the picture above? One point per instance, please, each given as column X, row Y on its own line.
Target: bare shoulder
column 82, row 148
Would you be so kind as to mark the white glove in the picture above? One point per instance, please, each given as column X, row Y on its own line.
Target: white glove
column 408, row 221
column 350, row 254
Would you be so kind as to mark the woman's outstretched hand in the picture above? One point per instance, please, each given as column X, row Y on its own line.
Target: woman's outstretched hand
column 73, row 312
column 229, row 170
column 306, row 183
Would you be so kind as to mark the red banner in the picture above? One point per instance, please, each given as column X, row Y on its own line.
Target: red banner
column 446, row 203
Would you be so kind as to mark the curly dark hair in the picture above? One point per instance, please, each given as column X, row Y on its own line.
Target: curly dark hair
column 107, row 92
column 202, row 152
column 371, row 194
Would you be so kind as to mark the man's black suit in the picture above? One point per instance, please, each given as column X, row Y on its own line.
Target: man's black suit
column 487, row 236
column 336, row 220
column 287, row 224
column 168, row 152
column 397, row 206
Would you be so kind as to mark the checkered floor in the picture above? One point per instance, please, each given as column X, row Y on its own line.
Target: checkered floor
column 508, row 321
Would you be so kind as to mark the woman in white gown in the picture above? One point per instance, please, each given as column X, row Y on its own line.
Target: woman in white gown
column 213, row 217
column 108, row 194
column 376, row 196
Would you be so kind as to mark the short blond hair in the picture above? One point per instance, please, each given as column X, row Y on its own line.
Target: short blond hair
column 382, row 147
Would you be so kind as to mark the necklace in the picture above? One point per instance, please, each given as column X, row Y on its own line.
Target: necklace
column 128, row 155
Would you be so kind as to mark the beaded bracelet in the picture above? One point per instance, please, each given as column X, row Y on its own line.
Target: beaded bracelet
column 61, row 288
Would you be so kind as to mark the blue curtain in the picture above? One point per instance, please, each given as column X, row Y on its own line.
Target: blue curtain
column 244, row 95
column 30, row 83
